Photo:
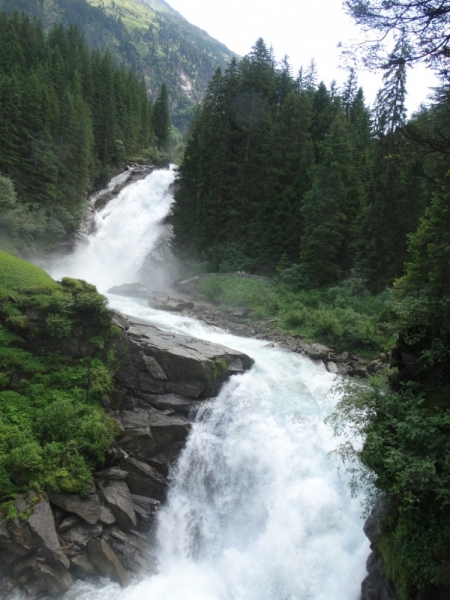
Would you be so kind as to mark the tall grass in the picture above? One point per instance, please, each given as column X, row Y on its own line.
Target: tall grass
column 347, row 317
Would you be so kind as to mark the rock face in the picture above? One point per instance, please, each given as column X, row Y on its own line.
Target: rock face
column 179, row 364
column 376, row 586
column 159, row 384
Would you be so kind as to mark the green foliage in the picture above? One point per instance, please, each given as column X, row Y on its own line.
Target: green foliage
column 161, row 119
column 345, row 316
column 18, row 275
column 406, row 455
column 67, row 114
column 53, row 430
column 155, row 41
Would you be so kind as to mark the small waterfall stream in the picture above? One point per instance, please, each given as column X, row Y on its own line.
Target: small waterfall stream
column 256, row 509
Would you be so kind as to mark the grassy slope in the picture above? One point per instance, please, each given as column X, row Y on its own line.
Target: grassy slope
column 337, row 316
column 18, row 275
column 53, row 429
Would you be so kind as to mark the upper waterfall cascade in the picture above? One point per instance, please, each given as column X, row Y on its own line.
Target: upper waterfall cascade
column 256, row 510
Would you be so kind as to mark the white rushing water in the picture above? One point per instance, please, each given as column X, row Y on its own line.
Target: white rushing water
column 125, row 232
column 256, row 510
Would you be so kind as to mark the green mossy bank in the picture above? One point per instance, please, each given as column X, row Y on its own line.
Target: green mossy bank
column 54, row 371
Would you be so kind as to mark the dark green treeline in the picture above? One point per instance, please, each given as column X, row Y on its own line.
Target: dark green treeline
column 284, row 171
column 67, row 114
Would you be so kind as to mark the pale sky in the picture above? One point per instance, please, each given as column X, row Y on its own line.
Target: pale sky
column 302, row 29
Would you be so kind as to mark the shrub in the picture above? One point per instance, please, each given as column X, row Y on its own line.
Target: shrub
column 406, row 456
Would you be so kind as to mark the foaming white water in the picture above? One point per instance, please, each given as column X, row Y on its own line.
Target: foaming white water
column 256, row 510
column 125, row 232
column 117, row 180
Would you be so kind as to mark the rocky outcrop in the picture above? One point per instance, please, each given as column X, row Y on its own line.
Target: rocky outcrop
column 160, row 382
column 178, row 364
column 377, row 585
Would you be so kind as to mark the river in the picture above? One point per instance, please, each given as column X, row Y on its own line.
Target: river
column 256, row 509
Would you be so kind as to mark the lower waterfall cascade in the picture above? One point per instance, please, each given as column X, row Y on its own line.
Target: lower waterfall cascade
column 256, row 508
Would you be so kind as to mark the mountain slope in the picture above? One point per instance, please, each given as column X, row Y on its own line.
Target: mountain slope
column 146, row 35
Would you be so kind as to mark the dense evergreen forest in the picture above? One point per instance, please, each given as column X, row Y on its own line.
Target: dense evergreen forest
column 156, row 43
column 68, row 114
column 282, row 169
column 348, row 207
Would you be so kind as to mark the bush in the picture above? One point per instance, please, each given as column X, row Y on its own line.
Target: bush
column 406, row 456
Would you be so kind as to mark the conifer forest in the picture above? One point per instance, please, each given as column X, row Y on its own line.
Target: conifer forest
column 68, row 116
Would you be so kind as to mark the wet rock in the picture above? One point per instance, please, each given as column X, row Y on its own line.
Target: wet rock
column 87, row 508
column 7, row 585
column 165, row 459
column 154, row 368
column 187, row 363
column 114, row 473
column 358, row 371
column 179, row 404
column 49, row 579
column 376, row 586
column 106, row 562
column 136, row 419
column 172, row 305
column 118, row 500
column 133, row 552
column 236, row 367
column 37, row 576
column 130, row 290
column 145, row 480
column 146, row 510
column 81, row 534
column 340, row 358
column 138, row 441
column 344, row 369
column 138, row 438
column 168, row 429
column 188, row 285
column 68, row 523
column 119, row 320
column 147, row 383
column 15, row 540
column 192, row 389
column 83, row 565
column 317, row 351
column 106, row 516
column 332, row 368
column 42, row 526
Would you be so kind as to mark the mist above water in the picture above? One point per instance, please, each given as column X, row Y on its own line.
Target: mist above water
column 256, row 510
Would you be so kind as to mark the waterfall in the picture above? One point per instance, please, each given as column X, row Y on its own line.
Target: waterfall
column 125, row 232
column 256, row 509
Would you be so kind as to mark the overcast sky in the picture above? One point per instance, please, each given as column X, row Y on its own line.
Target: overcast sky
column 302, row 29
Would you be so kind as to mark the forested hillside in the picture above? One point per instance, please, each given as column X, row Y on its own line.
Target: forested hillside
column 149, row 37
column 283, row 169
column 67, row 115
column 348, row 209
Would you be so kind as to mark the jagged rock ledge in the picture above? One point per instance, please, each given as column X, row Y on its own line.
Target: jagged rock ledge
column 235, row 321
column 161, row 380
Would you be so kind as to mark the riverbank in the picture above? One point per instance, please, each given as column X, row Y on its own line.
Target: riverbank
column 95, row 408
column 239, row 321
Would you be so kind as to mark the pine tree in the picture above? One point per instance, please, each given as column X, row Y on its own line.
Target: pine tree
column 161, row 118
